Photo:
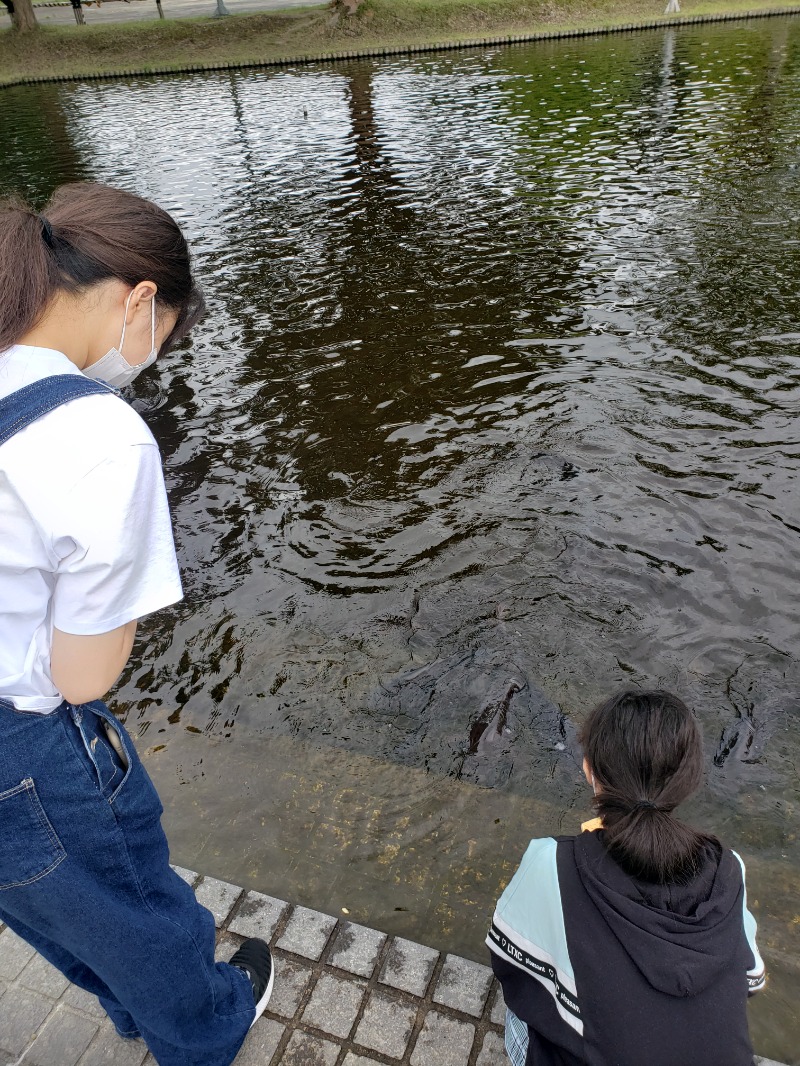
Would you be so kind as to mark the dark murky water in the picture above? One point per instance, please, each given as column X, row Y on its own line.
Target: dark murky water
column 500, row 383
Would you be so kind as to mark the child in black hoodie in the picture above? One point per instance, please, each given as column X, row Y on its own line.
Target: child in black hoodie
column 630, row 944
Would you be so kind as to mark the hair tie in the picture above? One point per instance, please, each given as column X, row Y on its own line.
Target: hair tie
column 47, row 232
column 644, row 805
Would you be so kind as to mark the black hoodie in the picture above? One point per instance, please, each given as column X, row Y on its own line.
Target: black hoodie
column 606, row 970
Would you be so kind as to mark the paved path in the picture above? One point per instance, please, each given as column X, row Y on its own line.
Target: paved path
column 120, row 11
column 345, row 995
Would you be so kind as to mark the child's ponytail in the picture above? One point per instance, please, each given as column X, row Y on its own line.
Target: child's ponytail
column 646, row 754
column 28, row 276
column 88, row 234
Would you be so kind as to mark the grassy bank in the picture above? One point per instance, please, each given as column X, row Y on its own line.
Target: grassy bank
column 177, row 44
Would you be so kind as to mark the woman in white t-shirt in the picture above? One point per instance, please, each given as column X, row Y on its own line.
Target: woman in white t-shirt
column 90, row 292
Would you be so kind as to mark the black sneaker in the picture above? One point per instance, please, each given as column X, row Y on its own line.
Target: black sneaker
column 255, row 958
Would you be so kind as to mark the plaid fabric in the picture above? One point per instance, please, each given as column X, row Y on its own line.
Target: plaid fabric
column 516, row 1039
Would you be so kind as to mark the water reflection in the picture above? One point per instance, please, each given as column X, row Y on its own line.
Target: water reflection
column 499, row 385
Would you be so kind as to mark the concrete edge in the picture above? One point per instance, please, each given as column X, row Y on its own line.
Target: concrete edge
column 411, row 49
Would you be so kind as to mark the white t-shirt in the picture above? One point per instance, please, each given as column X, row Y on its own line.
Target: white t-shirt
column 85, row 536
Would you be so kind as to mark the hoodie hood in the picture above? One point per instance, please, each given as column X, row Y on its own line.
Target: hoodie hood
column 678, row 936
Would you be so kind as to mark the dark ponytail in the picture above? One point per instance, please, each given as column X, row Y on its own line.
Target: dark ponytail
column 90, row 233
column 646, row 753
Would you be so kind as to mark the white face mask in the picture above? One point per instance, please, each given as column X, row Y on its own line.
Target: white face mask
column 114, row 368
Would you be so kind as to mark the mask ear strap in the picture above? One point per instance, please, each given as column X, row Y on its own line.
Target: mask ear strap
column 594, row 786
column 152, row 323
column 125, row 321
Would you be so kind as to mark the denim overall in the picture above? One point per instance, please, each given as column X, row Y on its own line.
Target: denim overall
column 84, row 863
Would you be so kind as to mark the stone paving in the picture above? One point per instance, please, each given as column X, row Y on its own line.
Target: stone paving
column 345, row 995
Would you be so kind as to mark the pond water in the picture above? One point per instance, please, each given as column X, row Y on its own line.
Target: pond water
column 500, row 383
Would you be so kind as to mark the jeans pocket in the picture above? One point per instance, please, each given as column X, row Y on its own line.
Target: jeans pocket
column 29, row 847
column 104, row 745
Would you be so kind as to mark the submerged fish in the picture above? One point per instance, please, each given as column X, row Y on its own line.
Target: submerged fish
column 490, row 724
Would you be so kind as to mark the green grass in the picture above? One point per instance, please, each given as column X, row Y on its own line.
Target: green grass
column 241, row 39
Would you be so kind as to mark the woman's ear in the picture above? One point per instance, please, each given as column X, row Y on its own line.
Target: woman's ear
column 139, row 296
column 587, row 772
column 589, row 775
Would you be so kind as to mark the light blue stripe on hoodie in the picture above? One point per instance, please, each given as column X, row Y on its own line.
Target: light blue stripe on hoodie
column 528, row 929
column 531, row 907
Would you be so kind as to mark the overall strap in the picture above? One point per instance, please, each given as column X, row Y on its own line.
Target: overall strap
column 27, row 404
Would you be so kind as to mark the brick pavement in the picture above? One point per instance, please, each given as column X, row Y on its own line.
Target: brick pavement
column 345, row 995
